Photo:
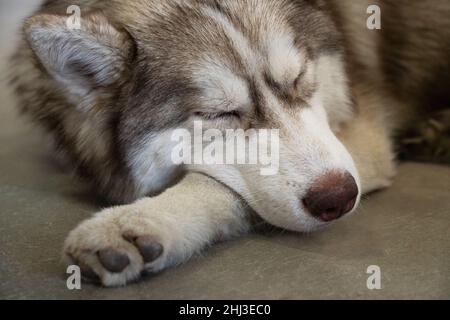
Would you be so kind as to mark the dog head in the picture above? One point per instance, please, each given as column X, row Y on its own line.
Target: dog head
column 230, row 65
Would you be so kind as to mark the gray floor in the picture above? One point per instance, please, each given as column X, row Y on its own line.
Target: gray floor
column 405, row 231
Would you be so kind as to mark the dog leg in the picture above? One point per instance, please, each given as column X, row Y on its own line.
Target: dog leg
column 118, row 244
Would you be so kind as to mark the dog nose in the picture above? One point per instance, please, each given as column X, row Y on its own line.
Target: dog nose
column 331, row 196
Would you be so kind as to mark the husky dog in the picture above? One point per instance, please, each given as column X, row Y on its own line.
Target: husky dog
column 111, row 92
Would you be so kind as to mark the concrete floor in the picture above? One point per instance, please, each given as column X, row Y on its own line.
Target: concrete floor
column 404, row 231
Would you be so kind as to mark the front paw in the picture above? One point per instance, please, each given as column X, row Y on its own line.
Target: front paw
column 116, row 246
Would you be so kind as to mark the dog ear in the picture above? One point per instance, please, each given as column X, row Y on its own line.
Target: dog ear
column 93, row 54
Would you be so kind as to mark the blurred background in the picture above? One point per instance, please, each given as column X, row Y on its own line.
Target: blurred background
column 11, row 14
column 404, row 230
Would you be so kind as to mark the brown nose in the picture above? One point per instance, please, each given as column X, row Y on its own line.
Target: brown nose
column 331, row 196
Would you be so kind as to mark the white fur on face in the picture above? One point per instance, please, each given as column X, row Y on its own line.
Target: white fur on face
column 308, row 150
column 241, row 44
column 221, row 89
column 151, row 164
column 284, row 59
column 333, row 90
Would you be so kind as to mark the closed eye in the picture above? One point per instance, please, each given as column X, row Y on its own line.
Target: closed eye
column 280, row 87
column 218, row 115
column 299, row 78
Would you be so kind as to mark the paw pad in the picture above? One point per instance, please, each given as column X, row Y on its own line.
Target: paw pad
column 113, row 260
column 148, row 247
